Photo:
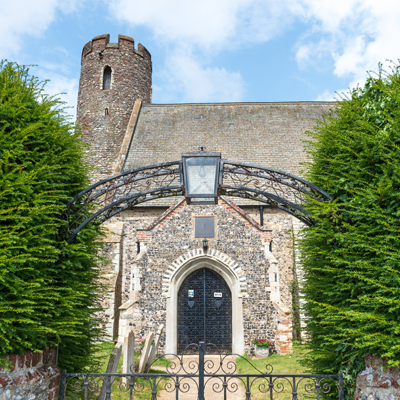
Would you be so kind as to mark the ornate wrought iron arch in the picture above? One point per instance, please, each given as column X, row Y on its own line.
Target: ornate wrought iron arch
column 113, row 195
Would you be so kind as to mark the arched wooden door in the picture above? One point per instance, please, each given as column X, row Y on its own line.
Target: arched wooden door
column 205, row 311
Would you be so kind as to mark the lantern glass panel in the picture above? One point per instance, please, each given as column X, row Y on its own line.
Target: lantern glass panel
column 201, row 175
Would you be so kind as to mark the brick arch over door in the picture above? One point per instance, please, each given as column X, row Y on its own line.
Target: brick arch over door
column 196, row 261
column 212, row 255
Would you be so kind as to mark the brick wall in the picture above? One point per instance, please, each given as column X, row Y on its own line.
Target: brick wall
column 377, row 381
column 31, row 376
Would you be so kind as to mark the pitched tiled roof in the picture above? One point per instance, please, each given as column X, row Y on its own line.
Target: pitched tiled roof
column 265, row 134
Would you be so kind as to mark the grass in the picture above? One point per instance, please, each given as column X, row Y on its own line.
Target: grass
column 118, row 392
column 288, row 364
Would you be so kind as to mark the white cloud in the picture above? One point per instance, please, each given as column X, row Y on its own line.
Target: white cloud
column 64, row 88
column 182, row 21
column 328, row 96
column 355, row 34
column 19, row 18
column 311, row 54
column 348, row 36
column 186, row 78
column 22, row 18
column 328, row 15
column 195, row 31
column 209, row 24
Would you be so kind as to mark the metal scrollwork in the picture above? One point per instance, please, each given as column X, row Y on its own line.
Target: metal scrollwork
column 128, row 189
column 110, row 196
column 213, row 375
column 271, row 187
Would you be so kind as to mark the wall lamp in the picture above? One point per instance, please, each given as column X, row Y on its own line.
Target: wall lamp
column 205, row 245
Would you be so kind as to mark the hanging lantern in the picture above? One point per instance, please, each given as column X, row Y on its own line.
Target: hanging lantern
column 201, row 177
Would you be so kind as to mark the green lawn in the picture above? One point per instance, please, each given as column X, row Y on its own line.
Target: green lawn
column 289, row 364
column 119, row 390
column 286, row 364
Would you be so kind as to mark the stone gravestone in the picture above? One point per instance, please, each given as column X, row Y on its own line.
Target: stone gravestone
column 145, row 353
column 129, row 354
column 111, row 369
column 154, row 349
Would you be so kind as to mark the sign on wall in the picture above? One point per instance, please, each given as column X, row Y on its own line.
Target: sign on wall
column 204, row 227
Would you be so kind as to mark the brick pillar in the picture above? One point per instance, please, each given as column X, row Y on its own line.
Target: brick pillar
column 31, row 375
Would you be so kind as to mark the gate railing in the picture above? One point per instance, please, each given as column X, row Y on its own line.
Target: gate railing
column 205, row 379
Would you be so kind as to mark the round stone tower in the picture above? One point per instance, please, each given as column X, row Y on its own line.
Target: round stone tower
column 113, row 76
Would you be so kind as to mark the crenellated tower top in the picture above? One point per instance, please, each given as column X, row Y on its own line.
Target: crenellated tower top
column 102, row 42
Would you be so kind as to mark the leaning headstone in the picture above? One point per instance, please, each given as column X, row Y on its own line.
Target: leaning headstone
column 145, row 352
column 111, row 369
column 129, row 355
column 154, row 348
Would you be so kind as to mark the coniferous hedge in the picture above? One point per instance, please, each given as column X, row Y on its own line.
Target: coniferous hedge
column 48, row 291
column 352, row 255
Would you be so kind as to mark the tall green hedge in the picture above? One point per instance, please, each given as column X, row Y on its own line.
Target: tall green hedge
column 48, row 291
column 352, row 255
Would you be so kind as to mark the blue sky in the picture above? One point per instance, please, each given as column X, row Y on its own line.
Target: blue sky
column 211, row 51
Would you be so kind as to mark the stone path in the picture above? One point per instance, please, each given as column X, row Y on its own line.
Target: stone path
column 209, row 393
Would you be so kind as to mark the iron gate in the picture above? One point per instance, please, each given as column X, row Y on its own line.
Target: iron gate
column 211, row 378
column 204, row 311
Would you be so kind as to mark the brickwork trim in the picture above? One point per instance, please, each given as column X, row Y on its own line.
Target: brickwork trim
column 124, row 149
column 166, row 215
column 213, row 255
column 235, row 209
column 143, row 236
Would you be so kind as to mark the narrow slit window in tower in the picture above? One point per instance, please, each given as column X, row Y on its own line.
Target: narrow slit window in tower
column 106, row 112
column 107, row 78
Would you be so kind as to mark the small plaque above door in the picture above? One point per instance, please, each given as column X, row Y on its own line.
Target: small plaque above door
column 217, row 294
column 191, row 294
column 204, row 227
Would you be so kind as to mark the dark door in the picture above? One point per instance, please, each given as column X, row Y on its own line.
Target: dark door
column 205, row 311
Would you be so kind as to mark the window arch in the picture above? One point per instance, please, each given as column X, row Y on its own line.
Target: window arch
column 107, row 78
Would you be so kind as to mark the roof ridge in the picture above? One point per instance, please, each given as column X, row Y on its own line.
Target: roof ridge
column 239, row 103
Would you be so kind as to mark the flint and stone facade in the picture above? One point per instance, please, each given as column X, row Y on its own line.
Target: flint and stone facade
column 152, row 248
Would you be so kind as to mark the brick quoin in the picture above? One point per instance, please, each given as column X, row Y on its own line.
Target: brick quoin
column 36, row 359
column 144, row 237
column 28, row 359
column 32, row 374
column 5, row 381
column 13, row 360
column 20, row 361
column 377, row 381
column 55, row 382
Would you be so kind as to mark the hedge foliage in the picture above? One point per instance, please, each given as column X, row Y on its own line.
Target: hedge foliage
column 352, row 255
column 48, row 291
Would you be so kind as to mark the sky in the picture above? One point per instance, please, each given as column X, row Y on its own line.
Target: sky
column 211, row 50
